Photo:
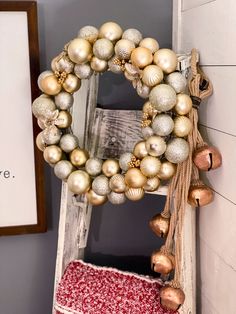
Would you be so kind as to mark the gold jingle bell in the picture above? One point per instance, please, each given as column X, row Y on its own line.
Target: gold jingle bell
column 162, row 263
column 160, row 225
column 200, row 195
column 207, row 158
column 171, row 298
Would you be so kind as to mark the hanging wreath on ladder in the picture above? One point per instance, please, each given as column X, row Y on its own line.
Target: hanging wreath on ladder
column 169, row 129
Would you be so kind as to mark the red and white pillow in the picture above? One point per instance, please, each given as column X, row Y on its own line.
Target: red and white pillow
column 89, row 289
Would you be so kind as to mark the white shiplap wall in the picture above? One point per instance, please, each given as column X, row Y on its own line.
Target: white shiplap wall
column 210, row 26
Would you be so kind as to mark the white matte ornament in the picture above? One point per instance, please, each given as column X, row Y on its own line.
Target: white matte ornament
column 163, row 125
column 64, row 100
column 100, row 185
column 155, row 145
column 177, row 150
column 83, row 71
column 124, row 159
column 177, row 81
column 68, row 142
column 93, row 166
column 116, row 198
column 90, row 33
column 132, row 34
column 103, row 49
column 63, row 169
column 163, row 97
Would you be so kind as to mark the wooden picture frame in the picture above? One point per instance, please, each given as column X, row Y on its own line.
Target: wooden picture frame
column 21, row 210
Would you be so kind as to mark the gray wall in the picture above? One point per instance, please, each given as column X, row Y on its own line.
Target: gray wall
column 27, row 262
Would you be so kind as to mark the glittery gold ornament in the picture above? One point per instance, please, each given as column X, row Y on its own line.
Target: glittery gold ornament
column 183, row 104
column 134, row 178
column 52, row 154
column 183, row 126
column 149, row 109
column 50, row 85
column 71, row 84
column 93, row 166
column 115, row 65
column 167, row 170
column 147, row 132
column 78, row 157
column 110, row 167
column 140, row 150
column 63, row 120
column 149, row 43
column 117, row 183
column 62, row 63
column 103, row 49
column 143, row 90
column 95, row 199
column 123, row 49
column 152, row 75
column 40, row 142
column 90, row 33
column 68, row 142
column 155, row 146
column 83, row 71
column 116, row 198
column 63, row 169
column 98, row 65
column 124, row 160
column 177, row 81
column 166, row 59
column 160, row 225
column 64, row 100
column 78, row 182
column 163, row 97
column 100, row 185
column 171, row 298
column 177, row 150
column 152, row 184
column 163, row 125
column 133, row 35
column 134, row 194
column 150, row 166
column 207, row 158
column 43, row 107
column 51, row 135
column 80, row 50
column 111, row 31
column 162, row 263
column 141, row 57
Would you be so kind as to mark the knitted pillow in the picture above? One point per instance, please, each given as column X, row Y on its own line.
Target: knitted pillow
column 89, row 289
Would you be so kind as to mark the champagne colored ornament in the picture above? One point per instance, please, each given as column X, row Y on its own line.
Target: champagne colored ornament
column 134, row 178
column 147, row 132
column 133, row 35
column 64, row 100
column 177, row 150
column 50, row 85
column 155, row 146
column 152, row 184
column 42, row 124
column 95, row 199
column 110, row 167
column 163, row 125
column 183, row 104
column 43, row 107
column 63, row 169
column 134, row 194
column 114, row 65
column 100, row 185
column 83, row 71
column 71, row 84
column 93, row 166
column 149, row 43
column 68, row 142
column 143, row 90
column 52, row 154
column 78, row 182
column 103, row 49
column 183, row 126
column 123, row 49
column 62, row 63
column 78, row 157
column 98, row 65
column 150, row 166
column 111, row 31
column 171, row 298
column 177, row 81
column 163, row 97
column 124, row 160
column 152, row 75
column 140, row 150
column 79, row 50
column 200, row 195
column 51, row 135
column 166, row 59
column 117, row 183
column 41, row 77
column 64, row 119
column 116, row 198
column 207, row 158
column 160, row 225
column 149, row 109
column 162, row 263
column 167, row 171
column 90, row 33
column 40, row 142
column 141, row 57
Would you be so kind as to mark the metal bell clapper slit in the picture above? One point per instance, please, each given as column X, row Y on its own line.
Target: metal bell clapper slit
column 207, row 158
column 171, row 298
column 200, row 194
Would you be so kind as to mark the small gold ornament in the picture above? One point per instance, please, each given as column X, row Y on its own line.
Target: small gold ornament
column 95, row 199
column 62, row 63
column 78, row 182
column 71, row 84
column 134, row 163
column 163, row 125
column 149, row 43
column 177, row 81
column 166, row 59
column 123, row 49
column 100, row 185
column 115, row 65
column 147, row 132
column 90, row 33
column 134, row 194
column 63, row 169
column 63, row 120
column 117, row 183
column 141, row 57
column 50, row 85
column 40, row 142
column 183, row 126
column 177, row 150
column 150, row 166
column 68, row 142
column 79, row 50
column 200, row 195
column 116, row 198
column 83, row 71
column 103, row 49
column 111, row 31
column 155, row 145
column 93, row 166
column 162, row 263
column 64, row 100
column 149, row 109
column 78, row 157
column 51, row 135
column 52, row 154
column 140, row 150
column 160, row 225
column 124, row 160
column 98, row 65
column 163, row 97
column 207, row 158
column 152, row 75
column 41, row 77
column 133, row 35
column 167, row 170
column 134, row 178
column 183, row 104
column 152, row 184
column 43, row 107
column 110, row 167
column 171, row 298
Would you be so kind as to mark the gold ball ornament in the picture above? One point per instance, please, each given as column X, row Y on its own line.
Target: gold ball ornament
column 149, row 109
column 152, row 75
column 155, row 145
column 160, row 225
column 63, row 120
column 111, row 31
column 171, row 298
column 52, row 154
column 141, row 57
column 90, row 33
column 200, row 195
column 162, row 263
column 68, row 142
column 183, row 104
column 163, row 97
column 78, row 182
column 110, row 167
column 149, row 43
column 83, row 71
column 150, row 166
column 163, row 125
column 103, row 49
column 134, row 194
column 116, row 198
column 166, row 59
column 207, row 158
column 95, row 199
column 177, row 150
column 93, row 166
column 147, row 132
column 64, row 100
column 50, row 85
column 177, row 81
column 62, row 63
column 72, row 83
column 140, row 150
column 63, row 169
column 117, row 183
column 78, row 157
column 51, row 135
column 98, row 65
column 183, row 126
column 152, row 184
column 114, row 65
column 124, row 160
column 43, row 107
column 80, row 50
column 40, row 142
column 41, row 77
column 134, row 178
column 124, row 48
column 100, row 185
column 133, row 35
column 167, row 170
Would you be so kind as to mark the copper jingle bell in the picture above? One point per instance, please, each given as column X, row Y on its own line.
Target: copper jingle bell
column 200, row 195
column 160, row 225
column 171, row 298
column 207, row 158
column 162, row 263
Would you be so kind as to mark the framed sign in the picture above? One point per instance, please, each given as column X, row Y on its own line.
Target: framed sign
column 22, row 203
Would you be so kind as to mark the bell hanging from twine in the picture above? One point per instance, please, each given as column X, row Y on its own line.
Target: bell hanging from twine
column 162, row 263
column 207, row 158
column 171, row 298
column 199, row 194
column 160, row 225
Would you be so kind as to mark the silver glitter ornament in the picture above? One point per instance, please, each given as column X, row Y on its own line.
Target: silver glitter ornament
column 155, row 145
column 177, row 81
column 147, row 132
column 117, row 183
column 123, row 49
column 116, row 198
column 133, row 34
column 163, row 125
column 100, row 185
column 124, row 159
column 43, row 107
column 177, row 150
column 68, row 142
column 51, row 135
column 103, row 49
column 90, row 33
column 62, row 63
column 64, row 100
column 93, row 166
column 163, row 97
column 63, row 169
column 83, row 71
column 114, row 66
column 143, row 90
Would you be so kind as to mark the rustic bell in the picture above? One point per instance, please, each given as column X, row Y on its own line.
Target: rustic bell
column 207, row 158
column 171, row 298
column 200, row 195
column 162, row 263
column 159, row 225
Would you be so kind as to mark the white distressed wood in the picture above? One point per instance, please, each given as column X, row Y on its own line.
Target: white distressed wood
column 176, row 25
column 190, row 4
